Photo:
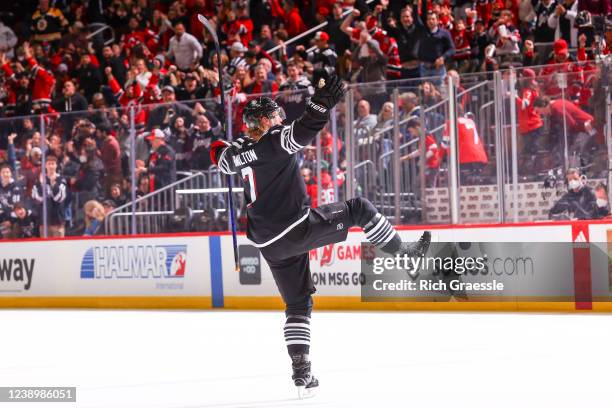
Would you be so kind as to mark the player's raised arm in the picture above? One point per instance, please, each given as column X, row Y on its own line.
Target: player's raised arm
column 263, row 119
column 329, row 90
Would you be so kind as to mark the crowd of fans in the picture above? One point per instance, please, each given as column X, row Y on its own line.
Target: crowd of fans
column 158, row 74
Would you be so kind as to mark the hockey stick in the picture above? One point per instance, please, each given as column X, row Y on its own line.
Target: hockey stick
column 230, row 208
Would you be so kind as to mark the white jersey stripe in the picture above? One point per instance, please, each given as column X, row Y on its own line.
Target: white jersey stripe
column 386, row 237
column 376, row 228
column 282, row 234
column 289, row 343
column 288, row 142
column 383, row 233
column 389, row 237
column 223, row 165
column 305, row 325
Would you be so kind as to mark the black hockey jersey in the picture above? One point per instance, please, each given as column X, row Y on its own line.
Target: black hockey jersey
column 323, row 59
column 273, row 186
column 9, row 195
column 56, row 199
column 293, row 96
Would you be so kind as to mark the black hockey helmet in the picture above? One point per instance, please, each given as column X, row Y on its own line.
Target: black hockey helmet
column 258, row 108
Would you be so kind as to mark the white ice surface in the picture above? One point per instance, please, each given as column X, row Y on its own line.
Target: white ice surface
column 238, row 359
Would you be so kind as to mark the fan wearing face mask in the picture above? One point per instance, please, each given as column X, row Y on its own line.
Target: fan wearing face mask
column 579, row 201
column 602, row 209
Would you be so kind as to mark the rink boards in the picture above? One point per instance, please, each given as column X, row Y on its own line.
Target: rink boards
column 196, row 271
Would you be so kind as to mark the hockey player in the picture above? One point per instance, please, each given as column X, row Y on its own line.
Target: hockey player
column 281, row 224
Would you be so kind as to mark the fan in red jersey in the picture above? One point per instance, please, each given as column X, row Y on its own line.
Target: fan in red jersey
column 530, row 121
column 472, row 155
column 387, row 44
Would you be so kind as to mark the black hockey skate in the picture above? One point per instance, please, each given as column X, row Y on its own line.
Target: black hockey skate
column 303, row 379
column 418, row 248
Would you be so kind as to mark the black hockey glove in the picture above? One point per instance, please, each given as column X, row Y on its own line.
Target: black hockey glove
column 329, row 90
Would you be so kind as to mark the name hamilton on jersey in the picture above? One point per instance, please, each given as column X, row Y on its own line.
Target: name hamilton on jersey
column 244, row 158
column 273, row 175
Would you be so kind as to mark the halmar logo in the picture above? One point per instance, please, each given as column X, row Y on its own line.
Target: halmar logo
column 17, row 270
column 134, row 262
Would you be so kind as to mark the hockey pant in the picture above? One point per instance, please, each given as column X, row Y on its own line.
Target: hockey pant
column 288, row 258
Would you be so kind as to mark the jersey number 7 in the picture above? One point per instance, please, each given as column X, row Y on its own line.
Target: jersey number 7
column 249, row 178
